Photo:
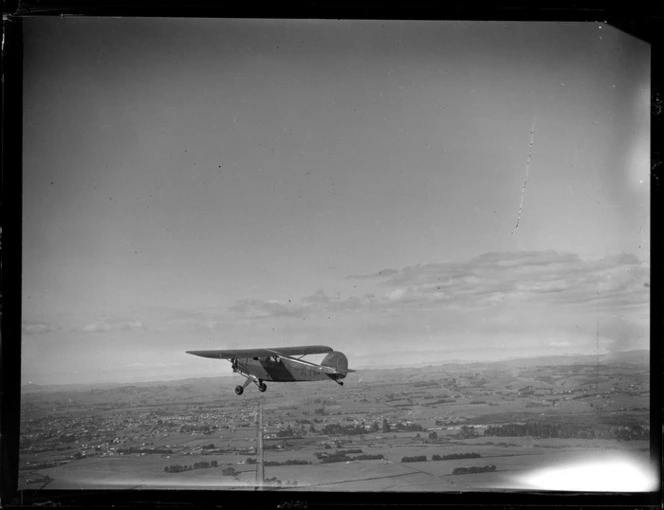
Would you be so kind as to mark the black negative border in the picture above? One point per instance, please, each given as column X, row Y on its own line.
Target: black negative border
column 644, row 23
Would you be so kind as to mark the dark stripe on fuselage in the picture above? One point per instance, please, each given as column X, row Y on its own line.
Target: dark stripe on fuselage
column 284, row 370
column 266, row 369
column 276, row 370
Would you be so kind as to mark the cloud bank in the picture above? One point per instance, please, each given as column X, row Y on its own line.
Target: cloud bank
column 36, row 328
column 518, row 303
column 609, row 284
column 107, row 325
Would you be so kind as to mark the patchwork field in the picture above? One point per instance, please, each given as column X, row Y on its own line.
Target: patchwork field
column 439, row 428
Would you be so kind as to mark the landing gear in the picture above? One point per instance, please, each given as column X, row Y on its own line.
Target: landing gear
column 239, row 390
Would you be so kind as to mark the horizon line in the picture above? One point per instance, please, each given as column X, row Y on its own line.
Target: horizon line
column 361, row 368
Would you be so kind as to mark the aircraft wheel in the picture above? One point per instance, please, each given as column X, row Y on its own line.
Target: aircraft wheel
column 262, row 387
column 239, row 390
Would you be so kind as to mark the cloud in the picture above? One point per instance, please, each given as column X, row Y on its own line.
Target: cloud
column 318, row 303
column 151, row 365
column 318, row 298
column 106, row 325
column 206, row 318
column 36, row 328
column 258, row 308
column 560, row 343
column 614, row 282
column 622, row 333
column 380, row 274
column 530, row 278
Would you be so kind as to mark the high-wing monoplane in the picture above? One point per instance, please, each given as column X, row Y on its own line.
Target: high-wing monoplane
column 282, row 364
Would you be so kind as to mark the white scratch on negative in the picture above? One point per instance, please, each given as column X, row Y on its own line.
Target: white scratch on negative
column 525, row 180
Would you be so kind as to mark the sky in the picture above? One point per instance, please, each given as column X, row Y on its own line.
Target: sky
column 403, row 191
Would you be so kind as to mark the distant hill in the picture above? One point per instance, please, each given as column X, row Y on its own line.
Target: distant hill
column 640, row 358
column 636, row 357
column 127, row 386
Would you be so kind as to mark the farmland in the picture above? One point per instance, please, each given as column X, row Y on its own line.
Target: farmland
column 197, row 434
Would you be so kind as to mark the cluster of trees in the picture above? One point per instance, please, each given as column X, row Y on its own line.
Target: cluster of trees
column 326, row 455
column 336, row 458
column 636, row 433
column 337, row 429
column 288, row 432
column 342, row 456
column 205, row 465
column 368, row 456
column 502, row 443
column 229, row 471
column 568, row 430
column 416, row 458
column 409, row 427
column 473, row 469
column 289, row 462
column 299, row 430
column 163, row 451
column 332, row 457
column 455, row 456
column 467, row 432
column 178, row 468
column 208, row 446
column 203, row 429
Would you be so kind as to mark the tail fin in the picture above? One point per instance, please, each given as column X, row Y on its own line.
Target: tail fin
column 337, row 361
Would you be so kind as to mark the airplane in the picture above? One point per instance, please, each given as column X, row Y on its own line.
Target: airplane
column 279, row 364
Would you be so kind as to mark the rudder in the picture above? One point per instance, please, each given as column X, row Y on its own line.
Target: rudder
column 338, row 361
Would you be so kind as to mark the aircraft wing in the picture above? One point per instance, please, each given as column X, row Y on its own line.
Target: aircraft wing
column 263, row 353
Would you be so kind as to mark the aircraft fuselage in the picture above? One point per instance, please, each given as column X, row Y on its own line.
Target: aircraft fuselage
column 279, row 369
